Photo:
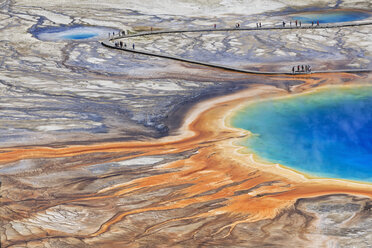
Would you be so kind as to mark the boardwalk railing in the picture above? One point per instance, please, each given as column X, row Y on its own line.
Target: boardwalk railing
column 323, row 26
column 109, row 44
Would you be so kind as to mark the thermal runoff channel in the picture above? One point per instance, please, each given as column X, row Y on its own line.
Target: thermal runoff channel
column 327, row 133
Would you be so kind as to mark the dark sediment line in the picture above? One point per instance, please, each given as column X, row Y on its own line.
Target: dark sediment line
column 229, row 68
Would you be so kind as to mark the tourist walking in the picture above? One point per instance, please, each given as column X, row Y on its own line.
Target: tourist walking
column 257, row 24
column 260, row 25
column 293, row 69
column 300, row 23
column 283, row 24
column 296, row 23
column 133, row 46
column 317, row 23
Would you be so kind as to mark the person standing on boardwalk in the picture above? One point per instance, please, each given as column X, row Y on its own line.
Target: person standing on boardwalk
column 283, row 24
column 257, row 24
column 133, row 46
column 300, row 23
column 293, row 70
column 296, row 23
column 290, row 24
column 312, row 23
column 260, row 24
column 317, row 23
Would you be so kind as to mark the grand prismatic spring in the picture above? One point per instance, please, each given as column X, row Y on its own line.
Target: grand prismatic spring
column 186, row 123
column 326, row 134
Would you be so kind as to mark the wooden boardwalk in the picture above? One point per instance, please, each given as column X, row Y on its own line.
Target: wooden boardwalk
column 108, row 43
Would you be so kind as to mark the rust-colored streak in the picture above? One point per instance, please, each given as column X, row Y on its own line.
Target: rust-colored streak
column 245, row 190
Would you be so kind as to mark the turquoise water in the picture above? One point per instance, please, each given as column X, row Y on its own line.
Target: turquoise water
column 80, row 36
column 325, row 134
column 331, row 16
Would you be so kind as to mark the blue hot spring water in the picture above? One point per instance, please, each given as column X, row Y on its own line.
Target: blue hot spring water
column 79, row 36
column 327, row 133
column 331, row 16
column 76, row 32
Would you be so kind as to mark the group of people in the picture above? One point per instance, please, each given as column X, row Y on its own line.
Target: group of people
column 123, row 45
column 301, row 68
column 237, row 25
column 317, row 23
column 296, row 23
column 299, row 24
column 122, row 33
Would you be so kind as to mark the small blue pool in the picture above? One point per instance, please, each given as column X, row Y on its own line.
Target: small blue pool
column 76, row 32
column 331, row 16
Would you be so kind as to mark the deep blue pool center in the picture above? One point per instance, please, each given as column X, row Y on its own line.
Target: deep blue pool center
column 325, row 134
column 80, row 36
column 331, row 16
